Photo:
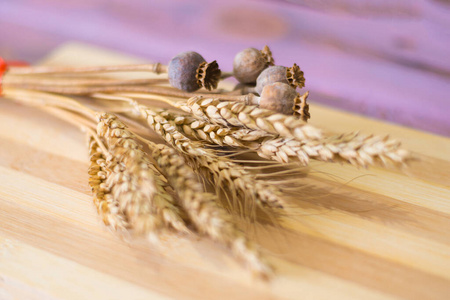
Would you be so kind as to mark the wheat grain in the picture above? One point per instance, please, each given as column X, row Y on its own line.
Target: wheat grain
column 98, row 174
column 216, row 134
column 166, row 206
column 133, row 181
column 354, row 148
column 203, row 210
column 241, row 115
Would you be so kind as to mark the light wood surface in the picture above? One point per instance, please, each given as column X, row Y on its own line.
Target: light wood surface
column 355, row 234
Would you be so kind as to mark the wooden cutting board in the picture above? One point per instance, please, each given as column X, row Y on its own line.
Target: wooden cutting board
column 355, row 234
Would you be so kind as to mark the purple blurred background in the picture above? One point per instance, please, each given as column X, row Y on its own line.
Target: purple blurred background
column 388, row 59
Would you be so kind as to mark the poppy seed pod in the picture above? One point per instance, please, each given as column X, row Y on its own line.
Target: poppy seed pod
column 250, row 62
column 188, row 71
column 269, row 76
column 279, row 97
column 292, row 76
column 183, row 69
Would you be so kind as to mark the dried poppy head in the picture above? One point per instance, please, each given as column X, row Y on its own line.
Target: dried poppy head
column 292, row 76
column 279, row 97
column 250, row 62
column 188, row 71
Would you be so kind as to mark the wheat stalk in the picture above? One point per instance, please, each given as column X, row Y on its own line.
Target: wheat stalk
column 227, row 113
column 156, row 68
column 227, row 174
column 203, row 210
column 23, row 81
column 133, row 181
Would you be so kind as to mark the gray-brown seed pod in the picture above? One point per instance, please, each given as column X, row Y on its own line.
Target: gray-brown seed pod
column 278, row 96
column 292, row 76
column 188, row 71
column 250, row 62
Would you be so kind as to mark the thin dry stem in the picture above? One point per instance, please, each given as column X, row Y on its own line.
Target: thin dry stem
column 154, row 68
column 87, row 90
column 76, row 81
column 142, row 91
column 40, row 99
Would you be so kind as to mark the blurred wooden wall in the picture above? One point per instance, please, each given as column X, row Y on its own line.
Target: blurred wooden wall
column 388, row 59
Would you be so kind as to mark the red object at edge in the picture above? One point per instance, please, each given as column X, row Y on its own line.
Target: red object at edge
column 4, row 67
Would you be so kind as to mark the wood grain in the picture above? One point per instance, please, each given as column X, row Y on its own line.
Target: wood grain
column 349, row 233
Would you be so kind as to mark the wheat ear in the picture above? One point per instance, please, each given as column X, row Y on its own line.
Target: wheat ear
column 227, row 174
column 241, row 115
column 203, row 211
column 354, row 148
column 166, row 205
column 217, row 134
column 141, row 196
column 103, row 200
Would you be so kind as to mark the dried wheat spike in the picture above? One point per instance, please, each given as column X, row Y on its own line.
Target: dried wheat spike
column 354, row 148
column 227, row 174
column 241, row 115
column 203, row 211
column 98, row 174
column 301, row 107
column 295, row 76
column 133, row 181
column 166, row 206
column 357, row 149
column 267, row 54
column 214, row 133
column 208, row 75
